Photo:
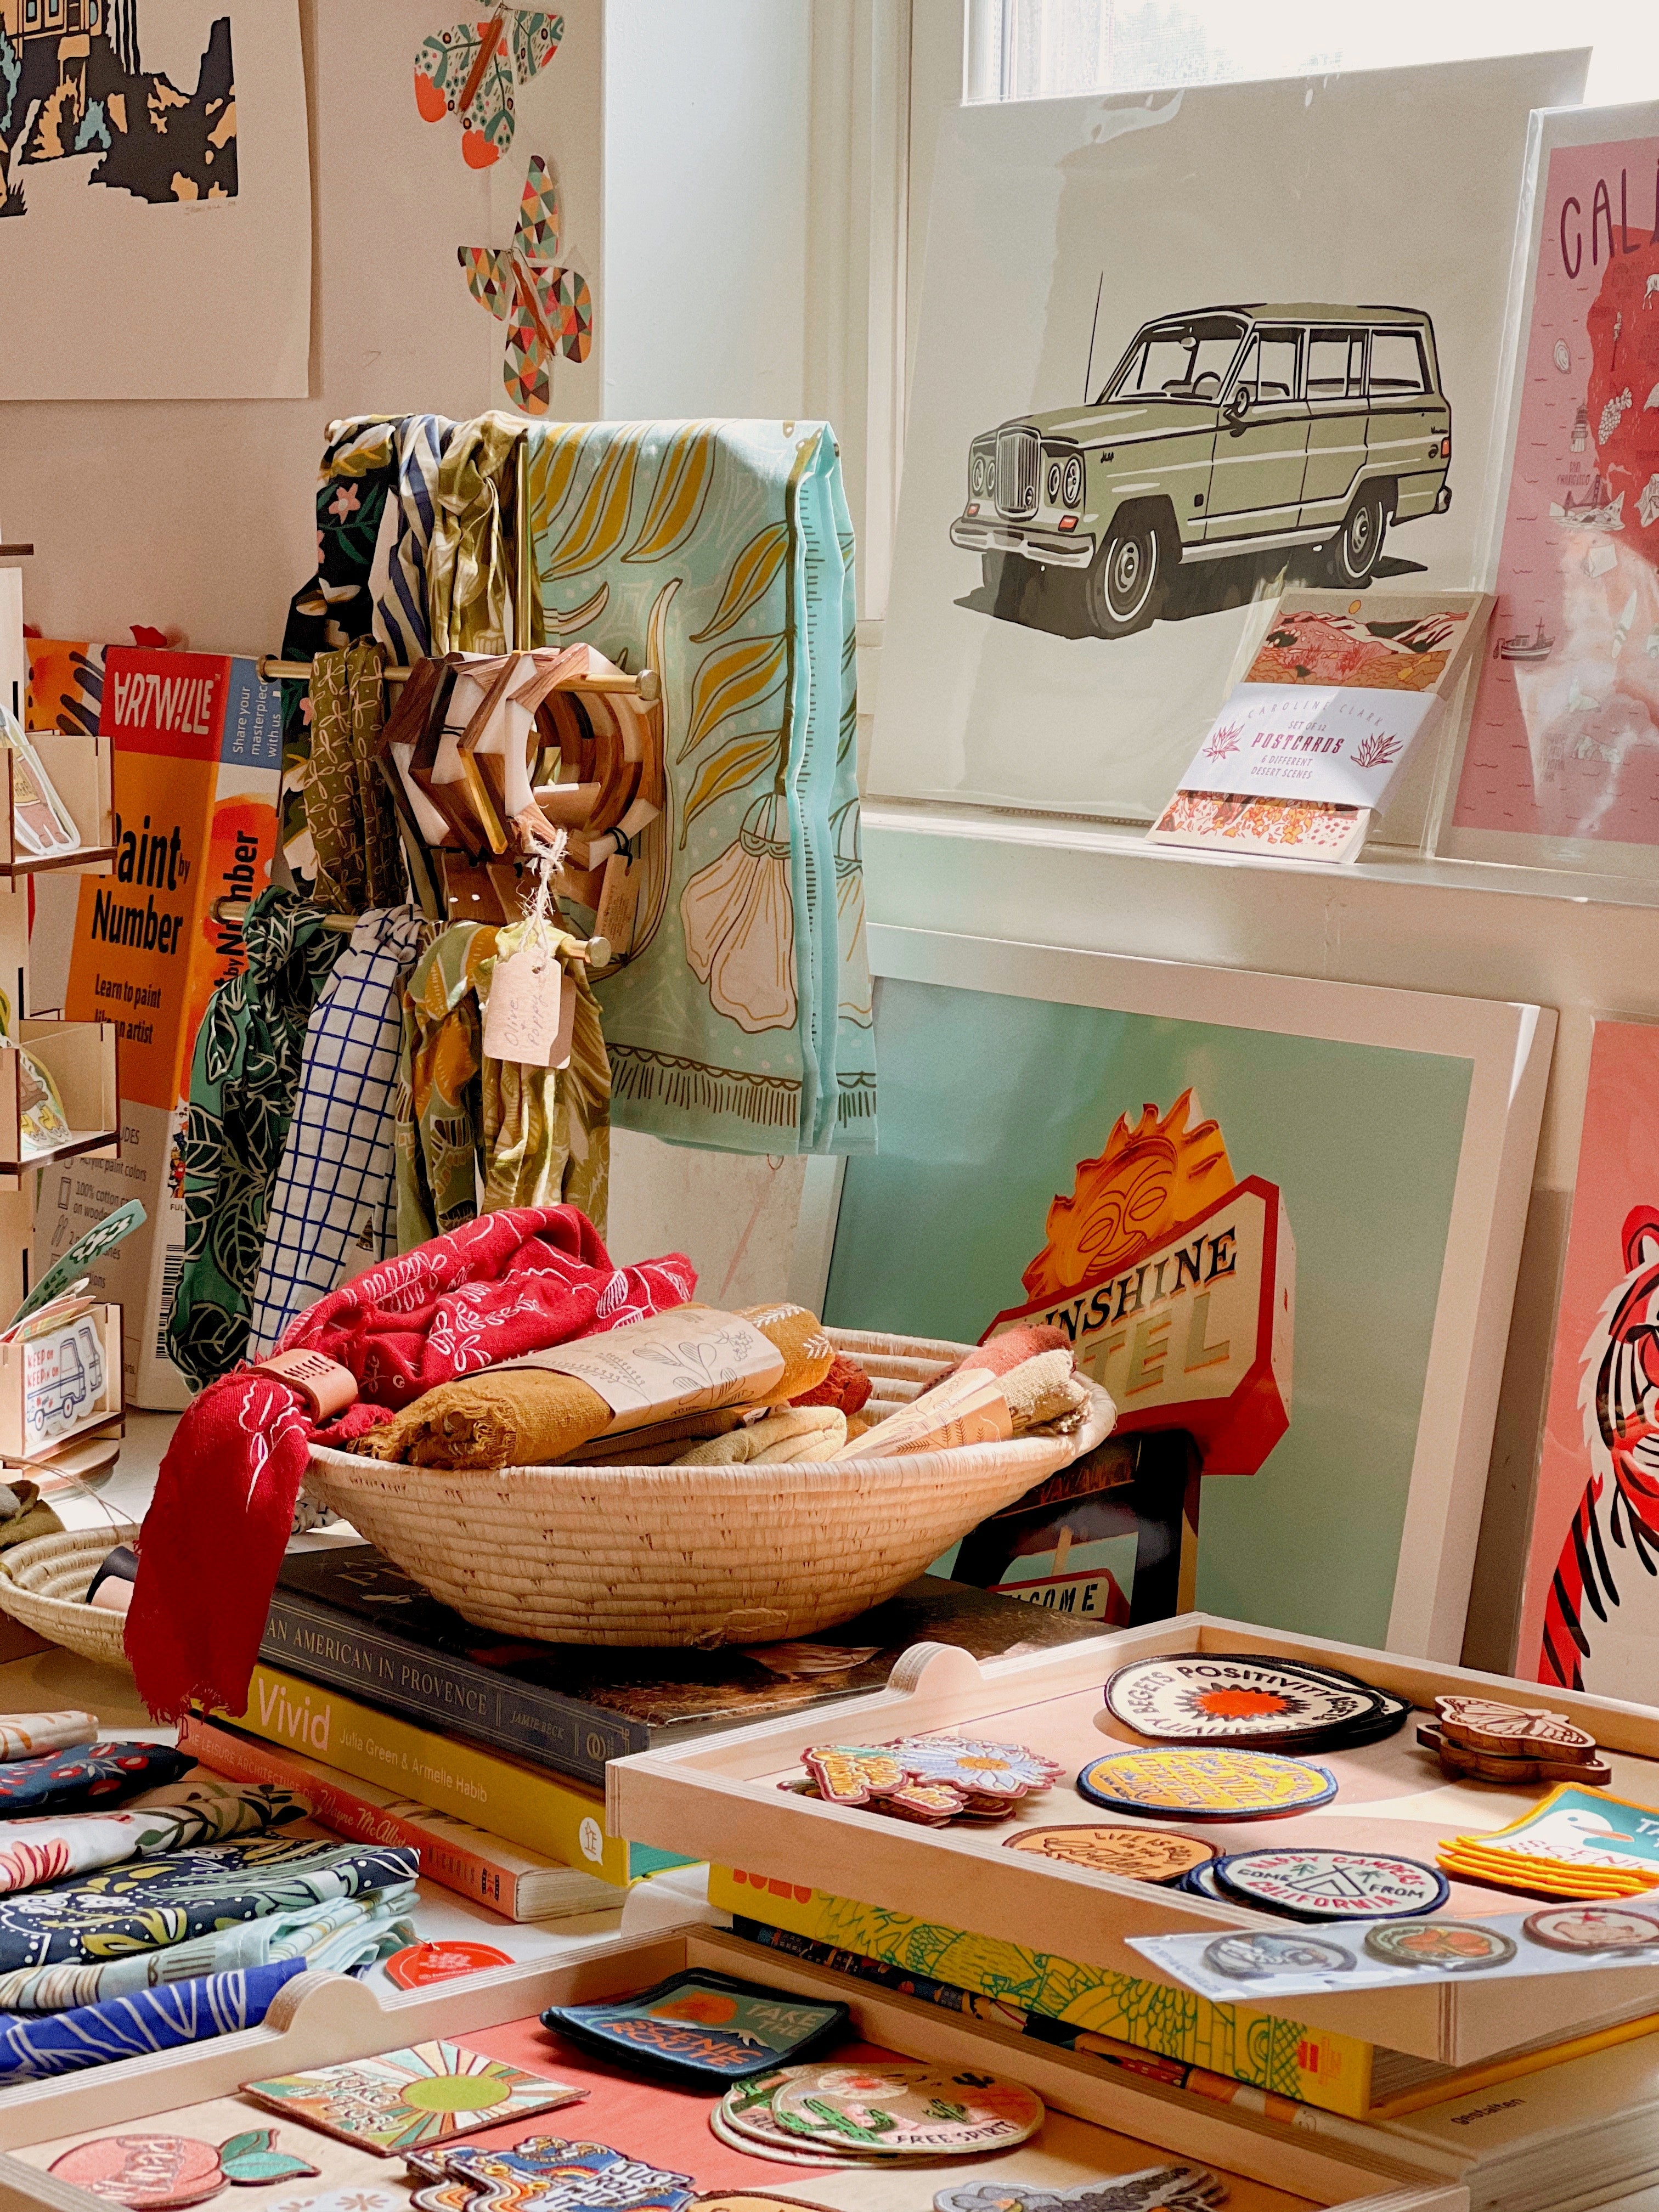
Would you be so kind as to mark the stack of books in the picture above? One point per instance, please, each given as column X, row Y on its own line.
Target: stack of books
column 402, row 1723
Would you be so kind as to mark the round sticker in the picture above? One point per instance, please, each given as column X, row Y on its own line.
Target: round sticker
column 1205, row 1784
column 146, row 2172
column 1330, row 1885
column 918, row 2110
column 1254, row 1956
column 1202, row 1698
column 1137, row 1854
column 757, row 2135
column 1454, row 1946
column 1592, row 1928
column 424, row 1963
column 591, row 1837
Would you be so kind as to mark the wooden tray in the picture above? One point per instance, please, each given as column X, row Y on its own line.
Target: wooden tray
column 720, row 1800
column 1099, row 2123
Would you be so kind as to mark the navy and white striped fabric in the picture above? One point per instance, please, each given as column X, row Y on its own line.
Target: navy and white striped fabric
column 333, row 1206
column 397, row 578
column 32, row 2049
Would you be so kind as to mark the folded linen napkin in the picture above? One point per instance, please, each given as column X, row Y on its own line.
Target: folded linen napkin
column 35, row 2049
column 799, row 1432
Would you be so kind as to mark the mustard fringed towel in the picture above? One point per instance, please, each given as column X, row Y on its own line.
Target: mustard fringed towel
column 535, row 1416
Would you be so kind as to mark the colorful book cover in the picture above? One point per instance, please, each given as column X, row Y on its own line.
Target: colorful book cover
column 197, row 755
column 1312, row 2065
column 548, row 1814
column 350, row 1618
column 1589, row 1614
column 66, row 685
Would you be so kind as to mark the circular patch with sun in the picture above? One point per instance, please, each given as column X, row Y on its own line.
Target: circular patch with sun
column 1210, row 1696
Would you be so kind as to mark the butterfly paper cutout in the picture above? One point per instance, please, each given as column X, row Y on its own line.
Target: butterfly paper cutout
column 474, row 69
column 546, row 309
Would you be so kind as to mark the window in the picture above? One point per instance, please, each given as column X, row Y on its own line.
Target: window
column 1041, row 49
column 1269, row 369
column 1397, row 364
column 1177, row 361
column 1336, row 364
column 33, row 13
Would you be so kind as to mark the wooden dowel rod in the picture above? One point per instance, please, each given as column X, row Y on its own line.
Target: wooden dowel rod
column 233, row 912
column 15, row 552
column 645, row 687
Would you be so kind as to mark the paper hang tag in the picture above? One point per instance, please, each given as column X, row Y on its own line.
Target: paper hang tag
column 521, row 1015
column 560, row 1056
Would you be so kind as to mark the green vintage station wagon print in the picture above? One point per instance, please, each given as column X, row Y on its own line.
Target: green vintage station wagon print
column 1221, row 432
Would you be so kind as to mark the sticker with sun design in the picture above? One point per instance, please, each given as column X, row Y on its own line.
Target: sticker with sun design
column 1206, row 1697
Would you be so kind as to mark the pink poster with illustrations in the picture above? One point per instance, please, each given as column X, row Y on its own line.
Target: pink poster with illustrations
column 1589, row 1612
column 1564, row 738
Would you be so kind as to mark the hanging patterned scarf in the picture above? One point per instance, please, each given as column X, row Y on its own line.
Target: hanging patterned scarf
column 470, row 570
column 501, row 1285
column 332, row 1206
column 720, row 554
column 348, row 806
column 242, row 1082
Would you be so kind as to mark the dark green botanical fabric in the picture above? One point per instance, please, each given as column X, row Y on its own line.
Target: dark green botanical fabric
column 242, row 1084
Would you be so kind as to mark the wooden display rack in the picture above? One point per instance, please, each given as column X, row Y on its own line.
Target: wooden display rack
column 1126, row 2124
column 80, row 766
column 720, row 1801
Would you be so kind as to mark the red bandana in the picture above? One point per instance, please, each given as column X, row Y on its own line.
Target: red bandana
column 500, row 1286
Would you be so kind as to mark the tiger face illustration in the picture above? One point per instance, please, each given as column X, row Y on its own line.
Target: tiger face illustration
column 1605, row 1592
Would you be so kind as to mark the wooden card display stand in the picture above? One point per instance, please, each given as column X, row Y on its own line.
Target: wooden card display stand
column 59, row 1391
column 720, row 1801
column 81, row 1056
column 80, row 766
column 1100, row 2123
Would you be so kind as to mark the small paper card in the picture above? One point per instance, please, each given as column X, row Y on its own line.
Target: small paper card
column 1284, row 828
column 967, row 1408
column 689, row 1360
column 521, row 1014
column 409, row 2098
column 547, row 2174
column 1333, row 697
column 705, row 2028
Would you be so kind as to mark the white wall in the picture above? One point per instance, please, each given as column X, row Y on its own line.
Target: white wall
column 706, row 113
column 200, row 514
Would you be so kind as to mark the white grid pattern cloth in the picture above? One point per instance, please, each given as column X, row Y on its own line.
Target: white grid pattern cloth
column 333, row 1209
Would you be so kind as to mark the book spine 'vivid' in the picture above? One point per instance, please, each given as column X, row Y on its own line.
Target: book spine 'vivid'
column 553, row 1817
column 468, row 1873
column 310, row 1638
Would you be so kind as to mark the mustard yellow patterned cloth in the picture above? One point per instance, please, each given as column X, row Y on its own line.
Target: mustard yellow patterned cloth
column 471, row 568
column 353, row 828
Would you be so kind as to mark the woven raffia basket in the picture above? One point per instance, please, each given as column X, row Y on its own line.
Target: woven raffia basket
column 43, row 1584
column 692, row 1555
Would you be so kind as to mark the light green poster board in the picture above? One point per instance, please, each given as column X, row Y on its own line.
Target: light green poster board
column 988, row 1103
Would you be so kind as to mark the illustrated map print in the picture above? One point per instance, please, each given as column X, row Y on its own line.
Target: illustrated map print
column 73, row 83
column 1564, row 740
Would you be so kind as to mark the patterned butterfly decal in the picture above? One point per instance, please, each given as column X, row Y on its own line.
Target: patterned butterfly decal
column 474, row 70
column 546, row 309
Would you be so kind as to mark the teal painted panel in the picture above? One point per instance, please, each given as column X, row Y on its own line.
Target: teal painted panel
column 989, row 1103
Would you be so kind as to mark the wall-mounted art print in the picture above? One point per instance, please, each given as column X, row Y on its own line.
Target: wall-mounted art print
column 475, row 71
column 548, row 310
column 1234, row 338
column 154, row 162
column 1561, row 765
column 1280, row 1219
column 1589, row 1607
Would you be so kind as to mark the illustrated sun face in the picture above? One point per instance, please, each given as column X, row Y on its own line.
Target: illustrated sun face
column 1150, row 1179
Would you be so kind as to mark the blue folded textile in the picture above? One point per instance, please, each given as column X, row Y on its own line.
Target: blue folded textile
column 32, row 2047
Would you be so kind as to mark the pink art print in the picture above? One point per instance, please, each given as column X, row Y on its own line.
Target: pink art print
column 1589, row 1612
column 1565, row 737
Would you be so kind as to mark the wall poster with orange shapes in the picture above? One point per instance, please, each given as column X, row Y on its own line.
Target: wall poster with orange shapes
column 1247, row 1202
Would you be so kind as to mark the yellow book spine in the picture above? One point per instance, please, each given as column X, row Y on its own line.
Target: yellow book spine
column 557, row 1817
column 1283, row 2056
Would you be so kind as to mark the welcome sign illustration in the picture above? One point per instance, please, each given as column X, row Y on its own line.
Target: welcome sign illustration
column 1187, row 386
